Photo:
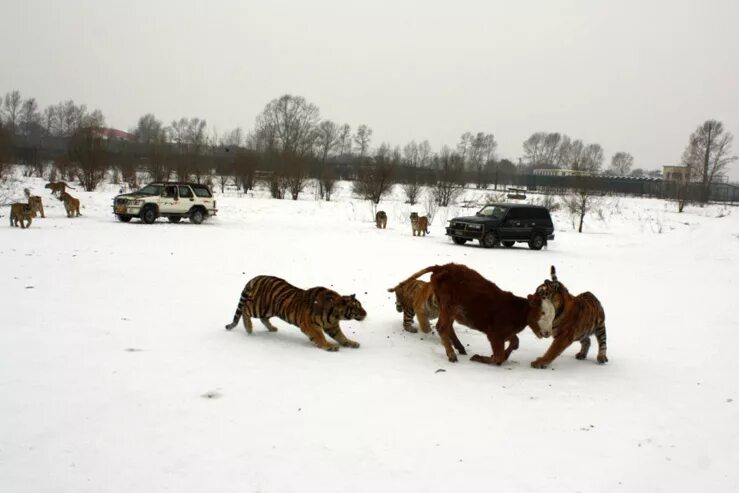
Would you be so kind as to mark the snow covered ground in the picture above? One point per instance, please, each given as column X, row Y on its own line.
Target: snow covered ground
column 116, row 373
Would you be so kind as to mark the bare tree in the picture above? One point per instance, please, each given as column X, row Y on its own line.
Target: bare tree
column 449, row 177
column 148, row 130
column 411, row 184
column 424, row 153
column 290, row 121
column 245, row 167
column 410, row 152
column 581, row 200
column 345, row 140
column 29, row 119
column 234, row 138
column 362, row 138
column 621, row 163
column 296, row 174
column 6, row 148
column 328, row 182
column 708, row 154
column 86, row 148
column 375, row 179
column 12, row 111
column 327, row 139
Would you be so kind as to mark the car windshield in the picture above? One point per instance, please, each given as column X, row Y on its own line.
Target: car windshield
column 494, row 211
column 151, row 190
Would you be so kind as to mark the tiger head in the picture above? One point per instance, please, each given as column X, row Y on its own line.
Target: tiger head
column 540, row 316
column 352, row 308
column 553, row 290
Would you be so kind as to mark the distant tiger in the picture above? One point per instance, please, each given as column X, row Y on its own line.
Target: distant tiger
column 21, row 213
column 57, row 186
column 35, row 202
column 381, row 220
column 575, row 319
column 71, row 204
column 314, row 311
column 416, row 298
column 419, row 224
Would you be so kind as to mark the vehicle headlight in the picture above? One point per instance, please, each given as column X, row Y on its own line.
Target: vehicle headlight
column 474, row 226
column 137, row 202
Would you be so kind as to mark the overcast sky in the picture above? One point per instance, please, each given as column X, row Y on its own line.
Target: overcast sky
column 634, row 76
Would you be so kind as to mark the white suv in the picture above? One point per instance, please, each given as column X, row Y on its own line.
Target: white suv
column 173, row 200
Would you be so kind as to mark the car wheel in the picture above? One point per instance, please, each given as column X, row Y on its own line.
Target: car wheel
column 458, row 240
column 123, row 218
column 149, row 214
column 489, row 240
column 196, row 216
column 174, row 219
column 537, row 242
column 509, row 244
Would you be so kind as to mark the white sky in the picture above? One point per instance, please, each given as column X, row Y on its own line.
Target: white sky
column 636, row 76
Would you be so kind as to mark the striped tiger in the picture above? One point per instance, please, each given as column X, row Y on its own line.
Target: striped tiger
column 576, row 318
column 314, row 311
column 416, row 298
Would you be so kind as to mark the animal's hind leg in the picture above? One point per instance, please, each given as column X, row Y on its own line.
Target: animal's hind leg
column 423, row 321
column 336, row 334
column 600, row 335
column 444, row 327
column 268, row 324
column 499, row 353
column 456, row 342
column 584, row 347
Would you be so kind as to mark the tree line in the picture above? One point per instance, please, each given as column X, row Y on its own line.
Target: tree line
column 291, row 144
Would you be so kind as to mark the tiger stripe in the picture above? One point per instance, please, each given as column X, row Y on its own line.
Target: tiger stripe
column 314, row 311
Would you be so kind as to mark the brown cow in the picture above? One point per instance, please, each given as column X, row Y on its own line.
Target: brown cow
column 468, row 298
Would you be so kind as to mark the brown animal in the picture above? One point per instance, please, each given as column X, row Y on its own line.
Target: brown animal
column 468, row 298
column 71, row 204
column 419, row 224
column 576, row 318
column 415, row 298
column 381, row 220
column 21, row 213
column 35, row 202
column 57, row 186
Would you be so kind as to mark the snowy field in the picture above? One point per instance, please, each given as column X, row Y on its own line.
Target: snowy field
column 116, row 374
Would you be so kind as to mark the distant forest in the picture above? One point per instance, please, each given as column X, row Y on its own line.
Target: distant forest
column 290, row 144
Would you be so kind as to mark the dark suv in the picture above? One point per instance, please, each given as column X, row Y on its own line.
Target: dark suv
column 504, row 223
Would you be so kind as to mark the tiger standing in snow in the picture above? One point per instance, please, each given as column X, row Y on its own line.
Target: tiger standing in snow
column 314, row 311
column 419, row 225
column 416, row 298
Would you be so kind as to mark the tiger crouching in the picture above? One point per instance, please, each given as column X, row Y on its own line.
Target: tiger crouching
column 21, row 213
column 71, row 204
column 381, row 220
column 314, row 311
column 576, row 318
column 419, row 224
column 416, row 298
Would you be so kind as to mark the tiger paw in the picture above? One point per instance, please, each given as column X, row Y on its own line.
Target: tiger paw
column 351, row 344
column 452, row 358
column 538, row 363
column 478, row 358
column 602, row 359
column 411, row 329
column 580, row 356
column 332, row 347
